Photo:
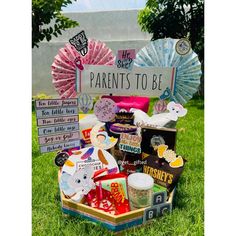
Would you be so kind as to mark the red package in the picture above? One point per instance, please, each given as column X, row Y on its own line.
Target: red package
column 110, row 195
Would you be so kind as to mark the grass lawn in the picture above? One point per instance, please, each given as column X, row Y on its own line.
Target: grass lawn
column 187, row 217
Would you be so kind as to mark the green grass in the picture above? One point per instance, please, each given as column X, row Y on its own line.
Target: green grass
column 187, row 217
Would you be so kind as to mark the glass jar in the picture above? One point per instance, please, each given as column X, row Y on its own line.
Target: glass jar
column 140, row 190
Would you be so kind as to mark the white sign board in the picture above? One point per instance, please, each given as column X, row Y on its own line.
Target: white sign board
column 148, row 81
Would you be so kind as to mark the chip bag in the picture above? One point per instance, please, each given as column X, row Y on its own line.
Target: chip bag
column 110, row 194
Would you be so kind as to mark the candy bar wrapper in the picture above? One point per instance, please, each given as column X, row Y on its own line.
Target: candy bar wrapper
column 110, row 195
column 162, row 173
column 124, row 118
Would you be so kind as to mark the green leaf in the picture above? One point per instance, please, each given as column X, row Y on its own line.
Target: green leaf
column 48, row 37
column 43, row 12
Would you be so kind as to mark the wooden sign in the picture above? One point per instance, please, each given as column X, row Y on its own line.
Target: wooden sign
column 58, row 129
column 142, row 81
column 56, row 103
column 57, row 120
column 59, row 146
column 55, row 112
column 58, row 138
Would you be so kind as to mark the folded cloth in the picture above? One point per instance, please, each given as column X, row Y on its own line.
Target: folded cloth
column 158, row 120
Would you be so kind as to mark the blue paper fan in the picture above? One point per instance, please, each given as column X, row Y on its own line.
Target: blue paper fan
column 162, row 53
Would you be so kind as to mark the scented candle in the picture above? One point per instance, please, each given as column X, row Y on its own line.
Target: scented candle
column 140, row 190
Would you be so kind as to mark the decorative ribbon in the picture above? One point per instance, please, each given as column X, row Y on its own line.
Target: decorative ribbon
column 167, row 94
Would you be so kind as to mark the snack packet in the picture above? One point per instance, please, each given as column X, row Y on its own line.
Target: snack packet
column 165, row 167
column 110, row 195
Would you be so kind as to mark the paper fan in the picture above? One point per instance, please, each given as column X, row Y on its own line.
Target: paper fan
column 64, row 65
column 162, row 53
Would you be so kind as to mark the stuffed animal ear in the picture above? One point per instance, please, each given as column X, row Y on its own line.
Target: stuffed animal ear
column 170, row 105
column 182, row 112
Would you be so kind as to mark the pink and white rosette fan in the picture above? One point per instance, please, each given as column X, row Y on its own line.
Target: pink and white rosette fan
column 68, row 58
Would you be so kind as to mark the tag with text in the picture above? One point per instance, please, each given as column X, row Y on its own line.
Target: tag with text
column 59, row 146
column 56, row 103
column 130, row 143
column 125, row 59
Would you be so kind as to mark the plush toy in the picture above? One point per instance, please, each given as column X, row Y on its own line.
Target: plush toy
column 176, row 110
column 77, row 185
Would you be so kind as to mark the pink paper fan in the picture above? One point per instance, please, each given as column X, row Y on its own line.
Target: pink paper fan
column 64, row 67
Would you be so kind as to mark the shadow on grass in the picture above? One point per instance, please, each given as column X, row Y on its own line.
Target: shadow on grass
column 179, row 201
column 57, row 197
column 197, row 102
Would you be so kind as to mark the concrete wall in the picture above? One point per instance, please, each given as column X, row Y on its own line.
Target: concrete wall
column 118, row 29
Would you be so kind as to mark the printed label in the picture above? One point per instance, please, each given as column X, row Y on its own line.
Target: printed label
column 125, row 59
column 50, row 112
column 58, row 129
column 59, row 146
column 57, row 120
column 56, row 103
column 58, row 138
column 130, row 143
